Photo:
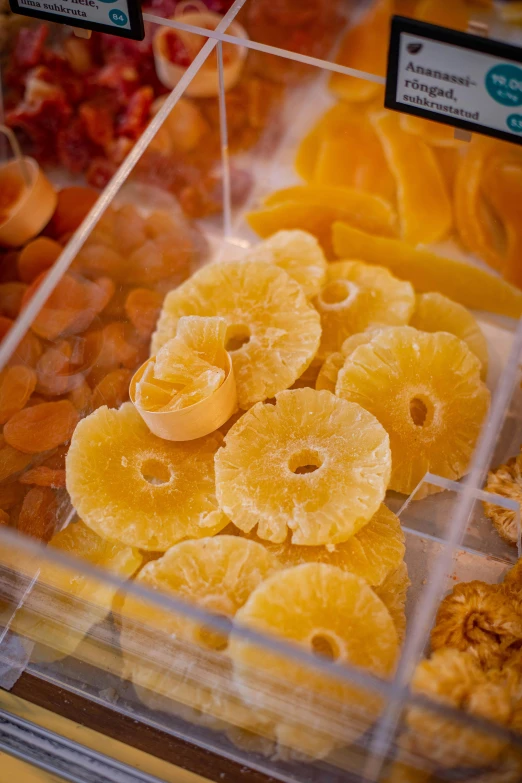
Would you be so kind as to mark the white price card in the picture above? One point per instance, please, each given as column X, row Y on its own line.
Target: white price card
column 118, row 17
column 459, row 79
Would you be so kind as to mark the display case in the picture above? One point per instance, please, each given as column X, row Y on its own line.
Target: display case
column 260, row 393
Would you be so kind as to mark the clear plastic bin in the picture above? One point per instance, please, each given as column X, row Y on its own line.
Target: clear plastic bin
column 288, row 711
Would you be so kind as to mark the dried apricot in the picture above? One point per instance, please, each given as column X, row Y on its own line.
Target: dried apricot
column 43, row 476
column 36, row 257
column 11, row 494
column 28, row 351
column 116, row 350
column 98, row 259
column 41, row 427
column 12, row 461
column 129, row 228
column 11, row 295
column 56, row 460
column 5, row 325
column 81, row 398
column 64, row 365
column 112, row 390
column 73, row 205
column 16, row 386
column 38, row 513
column 142, row 307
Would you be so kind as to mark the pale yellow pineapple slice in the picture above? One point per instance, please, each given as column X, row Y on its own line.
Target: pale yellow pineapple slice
column 216, row 575
column 309, row 467
column 298, row 253
column 178, row 364
column 357, row 296
column 332, row 366
column 130, row 486
column 205, row 336
column 436, row 313
column 374, row 553
column 61, row 618
column 273, row 332
column 392, row 592
column 328, row 612
column 426, row 391
column 151, row 393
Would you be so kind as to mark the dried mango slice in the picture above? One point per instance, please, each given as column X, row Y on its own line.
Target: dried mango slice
column 469, row 285
column 433, row 133
column 502, row 186
column 424, row 205
column 454, row 15
column 334, row 122
column 364, row 47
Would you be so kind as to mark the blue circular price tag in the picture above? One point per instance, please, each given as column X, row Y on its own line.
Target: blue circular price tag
column 118, row 17
column 514, row 123
column 504, row 84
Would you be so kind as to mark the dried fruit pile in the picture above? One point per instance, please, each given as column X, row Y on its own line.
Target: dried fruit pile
column 84, row 343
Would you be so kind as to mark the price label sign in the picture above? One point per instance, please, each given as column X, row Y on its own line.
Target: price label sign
column 118, row 17
column 463, row 80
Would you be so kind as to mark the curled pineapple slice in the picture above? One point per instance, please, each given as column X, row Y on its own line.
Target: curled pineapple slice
column 329, row 372
column 310, row 467
column 426, row 391
column 392, row 592
column 273, row 332
column 299, row 254
column 357, row 296
column 130, row 486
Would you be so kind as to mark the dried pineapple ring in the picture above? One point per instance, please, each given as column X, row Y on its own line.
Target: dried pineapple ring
column 478, row 618
column 327, row 611
column 425, row 390
column 357, row 296
column 78, row 540
column 506, row 480
column 437, row 313
column 309, row 464
column 273, row 333
column 218, row 575
column 130, row 486
column 299, row 254
column 373, row 553
column 454, row 678
column 392, row 593
column 333, row 365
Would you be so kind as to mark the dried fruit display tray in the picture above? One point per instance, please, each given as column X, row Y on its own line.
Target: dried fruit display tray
column 80, row 625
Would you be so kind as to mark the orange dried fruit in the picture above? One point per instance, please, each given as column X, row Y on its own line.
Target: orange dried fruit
column 310, row 467
column 373, row 553
column 38, row 515
column 112, row 390
column 28, row 351
column 120, row 476
column 37, row 257
column 4, row 517
column 506, row 480
column 358, row 296
column 299, row 254
column 16, row 386
column 11, row 495
column 401, row 377
column 334, row 122
column 433, row 133
column 471, row 286
column 100, row 259
column 12, row 461
column 454, row 15
column 424, row 207
column 364, row 48
column 502, row 187
column 64, row 365
column 273, row 332
column 142, row 307
column 41, row 427
column 43, row 476
column 480, row 619
column 183, row 128
column 129, row 228
column 11, row 295
column 392, row 592
column 116, row 350
column 437, row 313
column 74, row 203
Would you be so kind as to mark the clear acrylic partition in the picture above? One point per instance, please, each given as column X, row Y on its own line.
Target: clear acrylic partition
column 149, row 655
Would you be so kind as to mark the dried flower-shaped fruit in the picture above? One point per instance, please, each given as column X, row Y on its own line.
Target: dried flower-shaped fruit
column 478, row 618
column 310, row 467
column 506, row 481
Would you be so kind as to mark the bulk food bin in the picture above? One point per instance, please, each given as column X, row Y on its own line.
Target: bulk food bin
column 145, row 636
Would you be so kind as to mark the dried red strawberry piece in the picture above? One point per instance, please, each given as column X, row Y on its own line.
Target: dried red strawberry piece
column 136, row 114
column 29, row 46
column 40, row 84
column 74, row 147
column 42, row 122
column 98, row 121
column 100, row 172
column 121, row 78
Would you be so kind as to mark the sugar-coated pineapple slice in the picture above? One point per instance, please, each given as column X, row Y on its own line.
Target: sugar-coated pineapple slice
column 392, row 592
column 309, row 467
column 273, row 332
column 373, row 553
column 214, row 574
column 436, row 313
column 357, row 296
column 130, row 486
column 426, row 391
column 204, row 335
column 332, row 366
column 298, row 253
column 77, row 601
column 328, row 612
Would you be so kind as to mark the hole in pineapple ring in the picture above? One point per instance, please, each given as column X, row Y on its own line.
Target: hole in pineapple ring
column 338, row 292
column 238, row 335
column 419, row 412
column 211, row 639
column 325, row 645
column 155, row 472
column 305, row 461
